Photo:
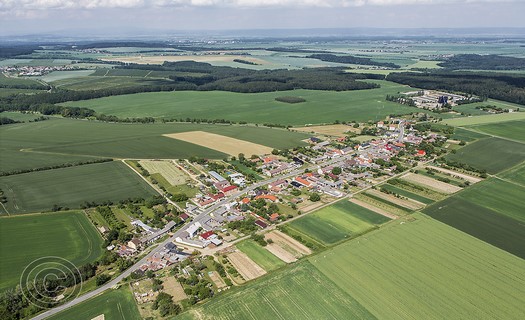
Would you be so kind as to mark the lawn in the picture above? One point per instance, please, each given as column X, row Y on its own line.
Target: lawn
column 513, row 130
column 482, row 154
column 297, row 292
column 491, row 219
column 337, row 222
column 69, row 235
column 424, row 269
column 57, row 141
column 259, row 255
column 70, row 187
column 361, row 105
column 114, row 304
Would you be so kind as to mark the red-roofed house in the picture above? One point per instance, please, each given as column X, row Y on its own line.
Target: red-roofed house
column 184, row 216
column 245, row 200
column 267, row 197
column 274, row 217
column 303, row 182
column 229, row 190
column 261, row 224
column 206, row 235
column 421, row 153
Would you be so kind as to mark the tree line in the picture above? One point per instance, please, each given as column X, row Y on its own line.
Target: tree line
column 58, row 166
column 352, row 60
column 483, row 62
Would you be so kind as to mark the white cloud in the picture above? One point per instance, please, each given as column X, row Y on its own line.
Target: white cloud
column 21, row 5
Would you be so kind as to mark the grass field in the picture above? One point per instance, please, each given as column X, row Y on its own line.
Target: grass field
column 57, row 141
column 361, row 105
column 481, row 154
column 69, row 235
column 18, row 116
column 260, row 255
column 298, row 292
column 115, row 305
column 424, row 269
column 70, row 187
column 516, row 175
column 337, row 222
column 466, row 135
column 491, row 118
column 513, row 130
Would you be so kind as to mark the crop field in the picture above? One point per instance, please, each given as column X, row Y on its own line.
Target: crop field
column 61, row 75
column 114, row 304
column 430, row 183
column 516, row 175
column 4, row 92
column 423, row 269
column 70, row 187
column 69, row 235
column 512, row 130
column 221, row 143
column 19, row 116
column 330, row 130
column 260, row 255
column 360, row 105
column 167, row 169
column 16, row 81
column 337, row 222
column 480, row 154
column 298, row 292
column 248, row 269
column 406, row 193
column 466, row 135
column 491, row 118
column 56, row 141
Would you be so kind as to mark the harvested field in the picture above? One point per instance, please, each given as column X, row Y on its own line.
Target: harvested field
column 216, row 278
column 409, row 204
column 374, row 208
column 460, row 175
column 221, row 143
column 167, row 169
column 246, row 267
column 280, row 253
column 329, row 130
column 174, row 288
column 288, row 243
column 431, row 183
column 162, row 59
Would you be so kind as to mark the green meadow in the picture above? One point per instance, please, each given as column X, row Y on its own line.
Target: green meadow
column 68, row 235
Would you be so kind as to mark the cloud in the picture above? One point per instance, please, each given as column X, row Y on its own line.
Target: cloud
column 11, row 5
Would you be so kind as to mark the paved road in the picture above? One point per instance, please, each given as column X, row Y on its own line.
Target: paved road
column 201, row 217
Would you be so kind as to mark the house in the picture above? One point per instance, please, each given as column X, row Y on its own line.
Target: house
column 380, row 124
column 303, row 182
column 184, row 216
column 134, row 244
column 261, row 224
column 192, row 229
column 206, row 235
column 103, row 229
column 421, row 153
column 245, row 200
column 268, row 197
column 229, row 190
column 171, row 247
column 217, row 176
column 274, row 217
column 221, row 184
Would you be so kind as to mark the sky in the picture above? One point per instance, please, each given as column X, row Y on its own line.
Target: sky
column 118, row 17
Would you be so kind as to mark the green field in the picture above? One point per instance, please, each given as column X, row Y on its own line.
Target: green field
column 491, row 154
column 492, row 118
column 261, row 256
column 70, row 187
column 18, row 116
column 69, row 235
column 466, row 135
column 361, row 105
column 98, row 83
column 408, row 194
column 58, row 141
column 337, row 222
column 512, row 130
column 297, row 292
column 424, row 269
column 115, row 305
column 516, row 175
column 498, row 220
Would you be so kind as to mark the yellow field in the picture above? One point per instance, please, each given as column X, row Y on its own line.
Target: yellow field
column 329, row 130
column 162, row 59
column 220, row 143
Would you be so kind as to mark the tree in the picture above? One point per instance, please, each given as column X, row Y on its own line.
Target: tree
column 314, row 197
column 337, row 171
column 275, row 152
column 241, row 157
column 100, row 280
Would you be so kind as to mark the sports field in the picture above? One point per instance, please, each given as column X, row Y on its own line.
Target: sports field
column 70, row 187
column 337, row 222
column 297, row 292
column 221, row 143
column 360, row 105
column 114, row 304
column 33, row 145
column 498, row 220
column 260, row 255
column 424, row 269
column 513, row 130
column 69, row 235
column 491, row 154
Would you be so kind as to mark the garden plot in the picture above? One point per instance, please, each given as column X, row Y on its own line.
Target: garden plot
column 373, row 208
column 431, row 183
column 287, row 243
column 167, row 169
column 452, row 173
column 246, row 266
column 409, row 204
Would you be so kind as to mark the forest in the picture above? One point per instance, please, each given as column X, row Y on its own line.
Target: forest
column 510, row 88
column 483, row 62
column 353, row 60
